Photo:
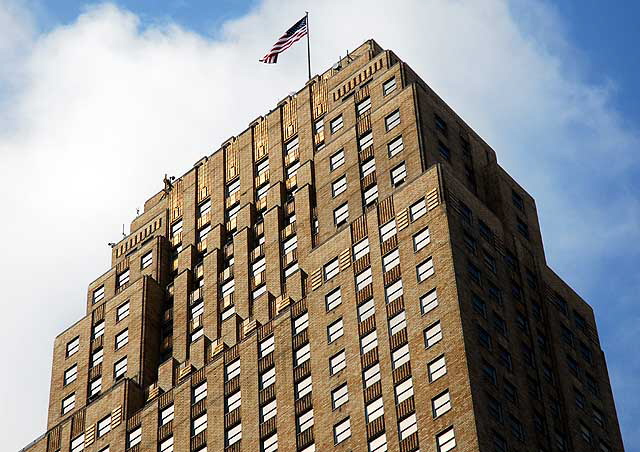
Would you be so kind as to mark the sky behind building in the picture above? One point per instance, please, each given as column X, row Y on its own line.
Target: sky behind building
column 90, row 94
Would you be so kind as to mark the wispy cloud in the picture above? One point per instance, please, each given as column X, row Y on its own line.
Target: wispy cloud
column 93, row 113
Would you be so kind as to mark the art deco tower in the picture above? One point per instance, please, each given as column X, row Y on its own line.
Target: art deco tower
column 353, row 272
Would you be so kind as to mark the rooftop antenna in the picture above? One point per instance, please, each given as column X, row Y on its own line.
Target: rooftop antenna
column 349, row 59
column 123, row 234
column 111, row 244
column 137, row 210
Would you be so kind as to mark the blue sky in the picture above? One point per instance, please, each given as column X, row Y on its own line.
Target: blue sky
column 551, row 86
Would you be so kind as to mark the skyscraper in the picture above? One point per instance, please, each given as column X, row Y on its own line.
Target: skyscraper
column 353, row 272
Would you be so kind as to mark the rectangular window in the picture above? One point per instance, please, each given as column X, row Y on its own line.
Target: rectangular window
column 331, row 269
column 267, row 378
column 268, row 410
column 68, row 403
column 339, row 186
column 266, row 346
column 300, row 323
column 290, row 244
column 176, row 228
column 200, row 392
column 421, row 239
column 339, row 396
column 104, row 426
column 228, row 287
column 336, row 160
column 304, row 387
column 77, row 444
column 98, row 330
column 446, row 440
column 367, row 167
column 366, row 140
column 233, row 401
column 397, row 323
column 167, row 445
column 374, row 410
column 335, row 330
column 417, row 209
column 197, row 309
column 120, row 368
column 378, row 444
column 444, row 151
column 122, row 311
column 73, row 346
column 123, row 278
column 302, row 354
column 233, row 435
column 202, row 233
column 389, row 86
column 342, row 431
column 360, row 249
column 425, row 269
column 394, row 291
column 363, row 106
column 429, row 301
column 146, row 260
column 95, row 387
column 437, row 368
column 336, row 124
column 134, row 437
column 391, row 260
column 98, row 294
column 337, row 362
column 96, row 357
column 441, row 404
column 232, row 187
column 290, row 270
column 341, row 215
column 407, row 426
column 363, row 279
column 433, row 334
column 333, row 299
column 70, row 374
column 269, row 444
column 232, row 370
column 368, row 342
column 370, row 195
column 262, row 166
column 122, row 339
column 400, row 356
column 366, row 310
column 404, row 390
column 204, row 208
column 166, row 415
column 262, row 191
column 371, row 375
column 305, row 421
column 398, row 175
column 392, row 120
column 395, row 146
column 388, row 230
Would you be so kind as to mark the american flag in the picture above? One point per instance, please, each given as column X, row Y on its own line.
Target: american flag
column 292, row 35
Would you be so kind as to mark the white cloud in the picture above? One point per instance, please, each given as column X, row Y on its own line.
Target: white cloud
column 98, row 110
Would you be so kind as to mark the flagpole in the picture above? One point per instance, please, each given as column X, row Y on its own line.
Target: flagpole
column 308, row 50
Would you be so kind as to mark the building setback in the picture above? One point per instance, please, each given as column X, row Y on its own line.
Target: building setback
column 353, row 272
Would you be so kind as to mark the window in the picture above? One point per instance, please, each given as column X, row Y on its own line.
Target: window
column 395, row 146
column 98, row 329
column 363, row 106
column 134, row 437
column 77, row 443
column 499, row 443
column 104, row 426
column 335, row 330
column 258, row 266
column 305, row 421
column 199, row 392
column 378, row 444
column 389, row 86
column 339, row 186
column 146, row 260
column 69, row 403
column 262, row 191
column 120, row 368
column 341, row 431
column 510, row 391
column 586, row 433
column 337, row 362
column 232, row 187
column 365, row 141
column 167, row 445
column 301, row 323
column 367, row 167
column 270, row 444
column 336, row 160
column 266, row 346
column 336, row 124
column 123, row 278
column 333, row 299
column 407, row 426
column 368, row 342
column 489, row 372
column 363, row 279
column 446, row 440
column 95, row 387
column 479, row 305
column 429, row 301
column 523, row 228
column 441, row 404
column 232, row 370
column 267, row 378
column 425, row 269
column 388, row 230
column 302, row 354
column 374, row 410
column 421, row 239
column 122, row 311
column 228, row 312
column 262, row 166
column 444, row 151
column 199, row 425
column 433, row 334
column 339, row 396
column 290, row 244
column 366, row 310
column 166, row 415
column 341, row 214
column 394, row 291
column 228, row 287
column 391, row 260
column 400, row 356
column 304, row 387
column 98, row 294
column 122, row 339
column 203, row 232
column 417, row 209
column 370, row 195
column 96, row 357
column 397, row 323
column 404, row 390
column 392, row 120
column 73, row 346
column 233, row 401
column 371, row 375
column 233, row 435
column 360, row 249
column 599, row 418
column 474, row 273
column 71, row 374
column 437, row 368
column 268, row 410
column 398, row 174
